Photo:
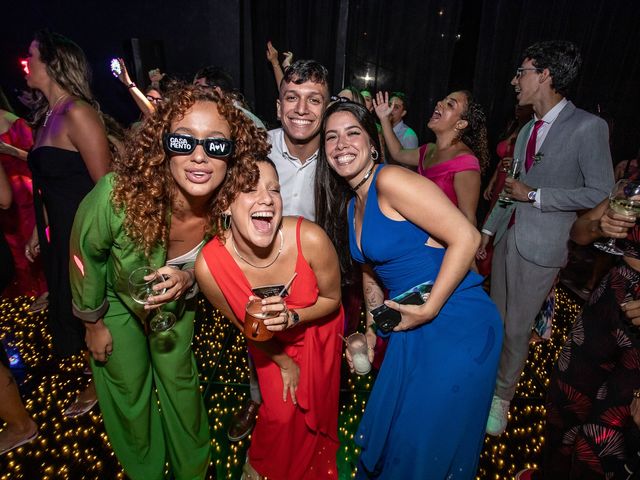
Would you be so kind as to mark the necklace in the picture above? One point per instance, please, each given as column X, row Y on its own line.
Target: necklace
column 233, row 244
column 365, row 178
column 50, row 111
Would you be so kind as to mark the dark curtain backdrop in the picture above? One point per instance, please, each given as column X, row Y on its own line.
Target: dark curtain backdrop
column 609, row 38
column 308, row 29
column 191, row 34
column 404, row 45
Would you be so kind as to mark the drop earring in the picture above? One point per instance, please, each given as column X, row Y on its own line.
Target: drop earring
column 226, row 221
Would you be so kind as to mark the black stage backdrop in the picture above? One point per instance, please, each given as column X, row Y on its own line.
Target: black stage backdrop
column 425, row 48
column 609, row 38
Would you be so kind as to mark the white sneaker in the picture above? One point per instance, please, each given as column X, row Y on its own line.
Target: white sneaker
column 497, row 421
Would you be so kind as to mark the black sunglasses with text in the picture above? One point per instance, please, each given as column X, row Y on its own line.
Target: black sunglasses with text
column 180, row 144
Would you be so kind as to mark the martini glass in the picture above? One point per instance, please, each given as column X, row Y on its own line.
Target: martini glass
column 141, row 283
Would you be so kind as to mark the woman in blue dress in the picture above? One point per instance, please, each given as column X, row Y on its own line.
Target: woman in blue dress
column 426, row 414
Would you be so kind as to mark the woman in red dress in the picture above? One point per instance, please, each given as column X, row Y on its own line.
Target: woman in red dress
column 295, row 436
column 18, row 221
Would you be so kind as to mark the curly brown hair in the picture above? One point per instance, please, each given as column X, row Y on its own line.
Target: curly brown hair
column 144, row 187
column 474, row 135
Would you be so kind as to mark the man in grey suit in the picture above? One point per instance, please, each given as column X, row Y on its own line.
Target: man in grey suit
column 565, row 167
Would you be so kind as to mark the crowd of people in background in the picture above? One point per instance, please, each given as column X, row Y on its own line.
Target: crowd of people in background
column 293, row 232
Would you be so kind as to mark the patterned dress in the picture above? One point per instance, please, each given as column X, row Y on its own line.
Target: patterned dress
column 590, row 432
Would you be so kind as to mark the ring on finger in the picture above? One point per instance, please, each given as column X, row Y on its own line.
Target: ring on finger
column 636, row 393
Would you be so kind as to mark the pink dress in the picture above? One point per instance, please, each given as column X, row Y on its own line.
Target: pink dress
column 18, row 221
column 442, row 173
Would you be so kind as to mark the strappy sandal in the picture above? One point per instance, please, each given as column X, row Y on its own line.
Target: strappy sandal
column 79, row 407
column 39, row 303
column 19, row 443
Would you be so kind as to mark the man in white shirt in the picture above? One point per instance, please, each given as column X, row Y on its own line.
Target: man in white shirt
column 407, row 137
column 304, row 95
column 565, row 167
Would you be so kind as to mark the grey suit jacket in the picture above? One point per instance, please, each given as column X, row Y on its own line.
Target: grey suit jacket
column 574, row 173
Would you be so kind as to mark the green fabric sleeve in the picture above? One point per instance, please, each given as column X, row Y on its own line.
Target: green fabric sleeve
column 90, row 246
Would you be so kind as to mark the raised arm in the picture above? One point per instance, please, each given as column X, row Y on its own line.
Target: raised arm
column 145, row 106
column 409, row 157
column 403, row 195
column 87, row 134
column 272, row 56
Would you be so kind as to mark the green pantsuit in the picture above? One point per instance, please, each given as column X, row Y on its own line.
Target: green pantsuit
column 148, row 389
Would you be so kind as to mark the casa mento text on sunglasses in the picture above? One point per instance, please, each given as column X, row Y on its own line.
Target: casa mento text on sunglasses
column 178, row 144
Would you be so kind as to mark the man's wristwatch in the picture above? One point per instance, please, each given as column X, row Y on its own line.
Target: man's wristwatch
column 532, row 195
column 295, row 318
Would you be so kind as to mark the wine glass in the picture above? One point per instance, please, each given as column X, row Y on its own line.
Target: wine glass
column 625, row 200
column 141, row 282
column 512, row 172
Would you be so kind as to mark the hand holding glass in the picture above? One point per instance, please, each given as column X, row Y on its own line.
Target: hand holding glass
column 254, row 327
column 512, row 172
column 624, row 199
column 141, row 283
column 358, row 349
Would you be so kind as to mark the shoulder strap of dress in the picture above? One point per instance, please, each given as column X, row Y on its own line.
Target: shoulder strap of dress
column 298, row 223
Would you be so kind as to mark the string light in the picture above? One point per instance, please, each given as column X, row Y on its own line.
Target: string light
column 79, row 448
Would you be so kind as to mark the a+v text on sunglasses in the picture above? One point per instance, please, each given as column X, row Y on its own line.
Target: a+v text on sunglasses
column 180, row 144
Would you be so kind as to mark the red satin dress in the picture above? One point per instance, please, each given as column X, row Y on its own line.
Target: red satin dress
column 291, row 442
column 505, row 148
column 18, row 221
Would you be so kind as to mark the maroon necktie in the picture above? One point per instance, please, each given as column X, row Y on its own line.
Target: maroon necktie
column 530, row 156
column 531, row 145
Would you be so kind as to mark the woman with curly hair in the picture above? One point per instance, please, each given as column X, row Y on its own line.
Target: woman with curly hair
column 69, row 155
column 156, row 210
column 459, row 155
column 296, row 434
column 427, row 411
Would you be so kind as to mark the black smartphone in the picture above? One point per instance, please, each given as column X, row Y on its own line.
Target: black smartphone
column 268, row 291
column 387, row 318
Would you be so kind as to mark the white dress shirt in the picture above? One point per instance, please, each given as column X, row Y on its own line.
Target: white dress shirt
column 296, row 178
column 406, row 136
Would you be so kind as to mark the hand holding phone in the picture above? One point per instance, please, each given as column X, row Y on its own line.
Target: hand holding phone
column 386, row 318
column 115, row 67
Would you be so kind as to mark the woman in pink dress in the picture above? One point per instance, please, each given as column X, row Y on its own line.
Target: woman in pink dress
column 454, row 162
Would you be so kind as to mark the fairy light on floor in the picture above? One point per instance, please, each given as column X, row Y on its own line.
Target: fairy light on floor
column 79, row 448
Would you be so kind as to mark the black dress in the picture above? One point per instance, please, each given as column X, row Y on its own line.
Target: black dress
column 60, row 182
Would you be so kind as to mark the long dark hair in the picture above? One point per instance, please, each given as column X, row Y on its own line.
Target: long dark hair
column 332, row 192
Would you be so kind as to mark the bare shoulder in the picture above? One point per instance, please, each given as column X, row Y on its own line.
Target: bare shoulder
column 311, row 234
column 77, row 110
column 393, row 178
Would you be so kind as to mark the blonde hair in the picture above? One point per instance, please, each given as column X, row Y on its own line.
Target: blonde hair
column 66, row 65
